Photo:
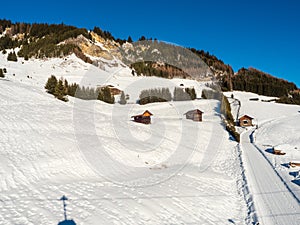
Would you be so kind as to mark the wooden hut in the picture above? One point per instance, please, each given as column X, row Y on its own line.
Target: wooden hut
column 195, row 115
column 113, row 90
column 294, row 164
column 143, row 118
column 245, row 121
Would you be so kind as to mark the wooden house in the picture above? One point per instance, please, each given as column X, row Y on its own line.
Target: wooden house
column 195, row 115
column 245, row 121
column 113, row 90
column 277, row 151
column 143, row 118
column 294, row 164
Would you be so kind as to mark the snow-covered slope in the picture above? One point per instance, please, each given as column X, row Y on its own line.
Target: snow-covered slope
column 273, row 183
column 114, row 171
column 278, row 126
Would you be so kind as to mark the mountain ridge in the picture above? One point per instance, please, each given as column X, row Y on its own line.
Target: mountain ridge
column 42, row 40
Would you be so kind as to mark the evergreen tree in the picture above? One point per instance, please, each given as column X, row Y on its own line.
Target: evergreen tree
column 142, row 38
column 66, row 87
column 100, row 95
column 1, row 73
column 191, row 94
column 72, row 89
column 181, row 95
column 51, row 84
column 122, row 99
column 106, row 96
column 12, row 57
column 129, row 39
column 60, row 90
column 155, row 95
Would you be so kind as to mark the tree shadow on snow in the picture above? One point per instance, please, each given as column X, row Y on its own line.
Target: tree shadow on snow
column 231, row 221
column 285, row 165
column 294, row 174
column 297, row 181
column 231, row 138
column 270, row 150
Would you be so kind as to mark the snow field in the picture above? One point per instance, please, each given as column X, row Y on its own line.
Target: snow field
column 113, row 171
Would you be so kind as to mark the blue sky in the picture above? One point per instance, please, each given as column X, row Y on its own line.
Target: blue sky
column 261, row 34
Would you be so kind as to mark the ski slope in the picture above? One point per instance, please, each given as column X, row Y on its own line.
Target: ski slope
column 113, row 171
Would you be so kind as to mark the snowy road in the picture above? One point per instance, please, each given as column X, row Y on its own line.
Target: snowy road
column 274, row 203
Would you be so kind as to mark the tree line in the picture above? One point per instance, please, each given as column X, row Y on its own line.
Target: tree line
column 255, row 81
column 2, row 73
column 164, row 95
column 157, row 70
column 42, row 40
column 292, row 98
column 225, row 110
column 61, row 88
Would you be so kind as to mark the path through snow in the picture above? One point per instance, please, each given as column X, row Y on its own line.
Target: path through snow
column 274, row 203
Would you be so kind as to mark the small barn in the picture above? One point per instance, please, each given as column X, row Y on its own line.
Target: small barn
column 143, row 118
column 245, row 121
column 195, row 115
column 113, row 90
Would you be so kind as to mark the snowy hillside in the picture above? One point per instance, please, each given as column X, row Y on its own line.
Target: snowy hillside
column 114, row 171
column 273, row 183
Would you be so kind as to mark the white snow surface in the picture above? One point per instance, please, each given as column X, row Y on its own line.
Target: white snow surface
column 114, row 171
column 275, row 185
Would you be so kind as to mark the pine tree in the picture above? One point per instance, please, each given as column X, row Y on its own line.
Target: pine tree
column 123, row 99
column 142, row 38
column 66, row 87
column 12, row 57
column 100, row 95
column 203, row 95
column 60, row 90
column 1, row 73
column 192, row 93
column 180, row 95
column 129, row 39
column 51, row 84
column 106, row 96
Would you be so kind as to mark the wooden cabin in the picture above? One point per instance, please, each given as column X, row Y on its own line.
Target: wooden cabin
column 113, row 90
column 294, row 164
column 277, row 151
column 245, row 121
column 143, row 118
column 195, row 115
